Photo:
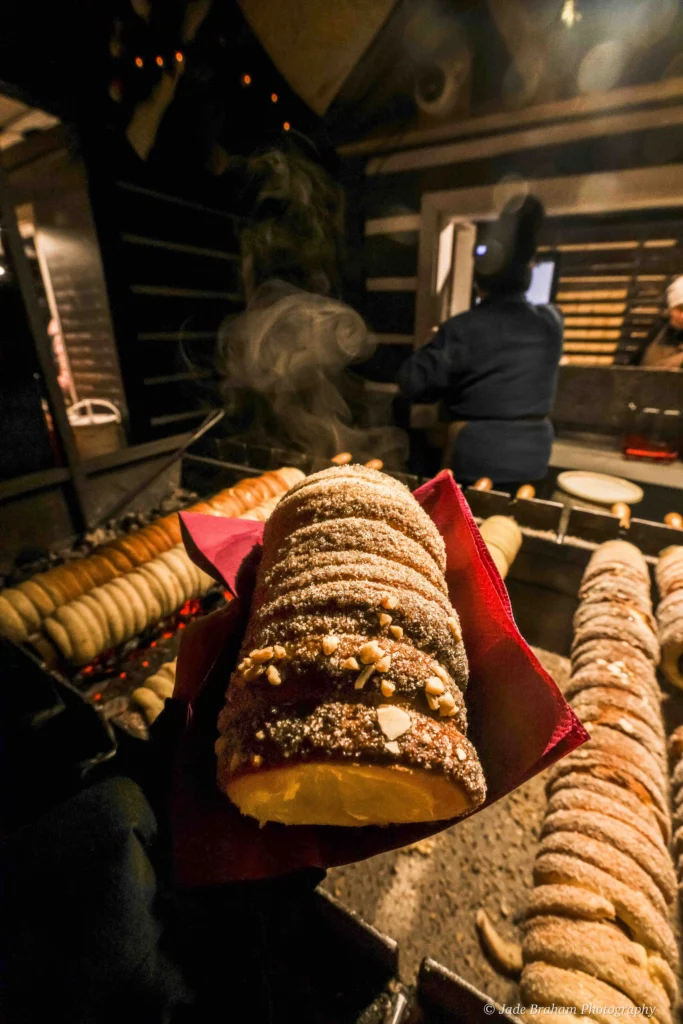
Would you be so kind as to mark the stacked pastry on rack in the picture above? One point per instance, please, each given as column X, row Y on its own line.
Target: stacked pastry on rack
column 150, row 697
column 597, row 928
column 26, row 608
column 669, row 574
column 676, row 756
column 347, row 706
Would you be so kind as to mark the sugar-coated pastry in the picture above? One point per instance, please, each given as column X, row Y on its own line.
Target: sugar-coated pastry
column 346, row 707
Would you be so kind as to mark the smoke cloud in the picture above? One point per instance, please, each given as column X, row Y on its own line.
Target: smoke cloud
column 286, row 380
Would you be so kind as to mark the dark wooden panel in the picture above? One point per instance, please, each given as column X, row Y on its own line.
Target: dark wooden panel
column 391, row 255
column 142, row 214
column 155, row 265
column 389, row 312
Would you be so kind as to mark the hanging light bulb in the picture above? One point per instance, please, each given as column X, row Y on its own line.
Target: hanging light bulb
column 570, row 13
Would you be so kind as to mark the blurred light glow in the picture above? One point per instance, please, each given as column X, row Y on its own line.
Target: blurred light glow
column 602, row 67
column 274, row 97
column 570, row 13
column 246, row 79
column 179, row 56
column 139, row 62
column 480, row 250
column 286, row 126
column 160, row 61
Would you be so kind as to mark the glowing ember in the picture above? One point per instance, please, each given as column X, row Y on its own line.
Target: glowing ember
column 145, row 664
column 97, row 696
column 122, row 675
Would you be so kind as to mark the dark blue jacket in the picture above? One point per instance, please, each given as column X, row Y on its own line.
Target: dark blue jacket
column 496, row 367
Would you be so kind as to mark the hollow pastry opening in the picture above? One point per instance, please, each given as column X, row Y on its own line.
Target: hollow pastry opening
column 326, row 793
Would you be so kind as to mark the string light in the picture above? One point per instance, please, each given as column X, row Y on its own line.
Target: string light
column 246, row 79
column 139, row 62
column 286, row 126
column 160, row 61
column 274, row 97
column 179, row 57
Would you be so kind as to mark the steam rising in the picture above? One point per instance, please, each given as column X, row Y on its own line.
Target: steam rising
column 284, row 362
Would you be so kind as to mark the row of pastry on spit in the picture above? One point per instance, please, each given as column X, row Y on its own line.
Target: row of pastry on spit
column 94, row 603
column 598, row 926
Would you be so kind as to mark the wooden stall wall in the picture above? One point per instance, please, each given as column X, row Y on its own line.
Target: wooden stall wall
column 638, row 251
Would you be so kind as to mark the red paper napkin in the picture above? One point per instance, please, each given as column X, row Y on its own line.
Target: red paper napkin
column 519, row 721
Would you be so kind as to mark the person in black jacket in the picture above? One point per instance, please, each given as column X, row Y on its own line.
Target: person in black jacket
column 494, row 367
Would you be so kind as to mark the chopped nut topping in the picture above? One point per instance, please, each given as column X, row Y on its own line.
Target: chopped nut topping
column 396, row 631
column 384, row 619
column 387, row 687
column 256, row 760
column 389, row 602
column 370, row 652
column 279, row 652
column 439, row 671
column 330, row 644
column 254, row 672
column 446, row 704
column 265, row 654
column 454, row 627
column 433, row 702
column 393, row 721
column 363, row 677
column 434, row 686
column 244, row 665
column 260, row 735
column 461, row 755
column 350, row 663
column 626, row 725
column 273, row 676
column 384, row 664
column 393, row 747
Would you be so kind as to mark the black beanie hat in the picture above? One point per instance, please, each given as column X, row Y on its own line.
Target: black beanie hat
column 509, row 245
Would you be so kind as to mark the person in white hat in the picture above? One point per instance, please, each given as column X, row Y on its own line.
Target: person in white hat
column 666, row 351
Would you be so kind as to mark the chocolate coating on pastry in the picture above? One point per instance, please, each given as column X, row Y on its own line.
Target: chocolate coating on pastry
column 645, row 924
column 357, row 498
column 337, row 731
column 307, row 674
column 347, row 535
column 328, row 609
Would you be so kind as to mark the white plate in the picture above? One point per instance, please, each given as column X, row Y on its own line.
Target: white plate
column 599, row 487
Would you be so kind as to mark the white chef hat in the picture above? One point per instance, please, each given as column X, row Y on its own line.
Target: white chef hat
column 674, row 293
